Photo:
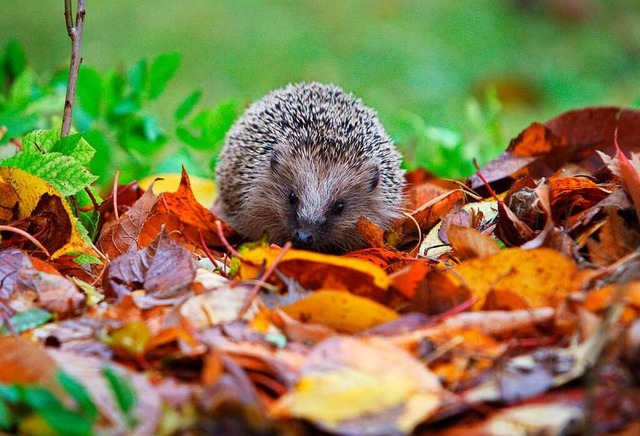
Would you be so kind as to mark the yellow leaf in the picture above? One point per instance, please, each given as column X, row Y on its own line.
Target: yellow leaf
column 352, row 386
column 513, row 278
column 340, row 310
column 31, row 191
column 203, row 189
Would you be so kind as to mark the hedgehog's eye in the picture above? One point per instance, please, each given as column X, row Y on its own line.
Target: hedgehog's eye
column 337, row 208
column 293, row 199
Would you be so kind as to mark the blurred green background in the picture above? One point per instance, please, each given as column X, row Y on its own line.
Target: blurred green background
column 460, row 74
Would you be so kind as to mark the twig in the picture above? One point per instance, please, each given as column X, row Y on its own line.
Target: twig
column 224, row 241
column 263, row 278
column 24, row 234
column 75, row 33
column 115, row 195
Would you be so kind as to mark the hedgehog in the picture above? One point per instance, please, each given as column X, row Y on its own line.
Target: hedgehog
column 303, row 164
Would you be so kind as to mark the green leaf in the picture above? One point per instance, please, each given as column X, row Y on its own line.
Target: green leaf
column 39, row 141
column 16, row 58
column 187, row 105
column 79, row 394
column 114, row 84
column 17, row 123
column 30, row 318
column 126, row 107
column 162, row 70
column 38, row 398
column 10, row 393
column 151, row 128
column 67, row 422
column 22, row 90
column 64, row 173
column 187, row 137
column 174, row 162
column 214, row 124
column 89, row 91
column 102, row 163
column 123, row 391
column 138, row 78
column 75, row 146
column 6, row 419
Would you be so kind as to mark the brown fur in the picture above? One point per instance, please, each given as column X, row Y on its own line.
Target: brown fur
column 322, row 144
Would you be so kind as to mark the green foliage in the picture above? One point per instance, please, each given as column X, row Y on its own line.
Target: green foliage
column 449, row 152
column 61, row 162
column 29, row 409
column 35, row 410
column 30, row 318
column 124, row 393
column 113, row 112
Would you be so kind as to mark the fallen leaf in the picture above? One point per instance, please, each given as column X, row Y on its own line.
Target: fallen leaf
column 340, row 310
column 469, row 243
column 195, row 219
column 512, row 279
column 46, row 213
column 353, row 387
column 322, row 271
column 204, row 190
column 164, row 269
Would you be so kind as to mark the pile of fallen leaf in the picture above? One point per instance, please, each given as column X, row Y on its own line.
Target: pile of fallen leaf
column 504, row 305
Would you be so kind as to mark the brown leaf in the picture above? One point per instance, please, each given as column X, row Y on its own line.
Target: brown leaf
column 428, row 214
column 469, row 243
column 122, row 236
column 408, row 280
column 24, row 286
column 89, row 372
column 41, row 211
column 341, row 311
column 510, row 279
column 322, row 271
column 615, row 239
column 571, row 195
column 574, row 136
column 164, row 269
column 8, row 201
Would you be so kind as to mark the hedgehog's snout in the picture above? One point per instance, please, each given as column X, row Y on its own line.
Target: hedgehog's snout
column 303, row 239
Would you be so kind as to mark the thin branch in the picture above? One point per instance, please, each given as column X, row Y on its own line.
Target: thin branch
column 68, row 15
column 75, row 33
column 263, row 278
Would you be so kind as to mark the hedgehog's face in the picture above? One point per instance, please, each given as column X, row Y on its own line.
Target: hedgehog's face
column 319, row 203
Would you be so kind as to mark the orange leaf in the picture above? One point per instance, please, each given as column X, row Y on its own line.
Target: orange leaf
column 194, row 217
column 429, row 213
column 574, row 194
column 318, row 271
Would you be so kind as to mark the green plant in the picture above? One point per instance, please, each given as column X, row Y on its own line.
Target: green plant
column 33, row 409
column 113, row 113
column 450, row 152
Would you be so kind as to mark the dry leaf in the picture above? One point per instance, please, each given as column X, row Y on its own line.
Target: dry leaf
column 340, row 310
column 355, row 387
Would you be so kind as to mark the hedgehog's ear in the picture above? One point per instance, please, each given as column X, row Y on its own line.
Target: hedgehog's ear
column 375, row 179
